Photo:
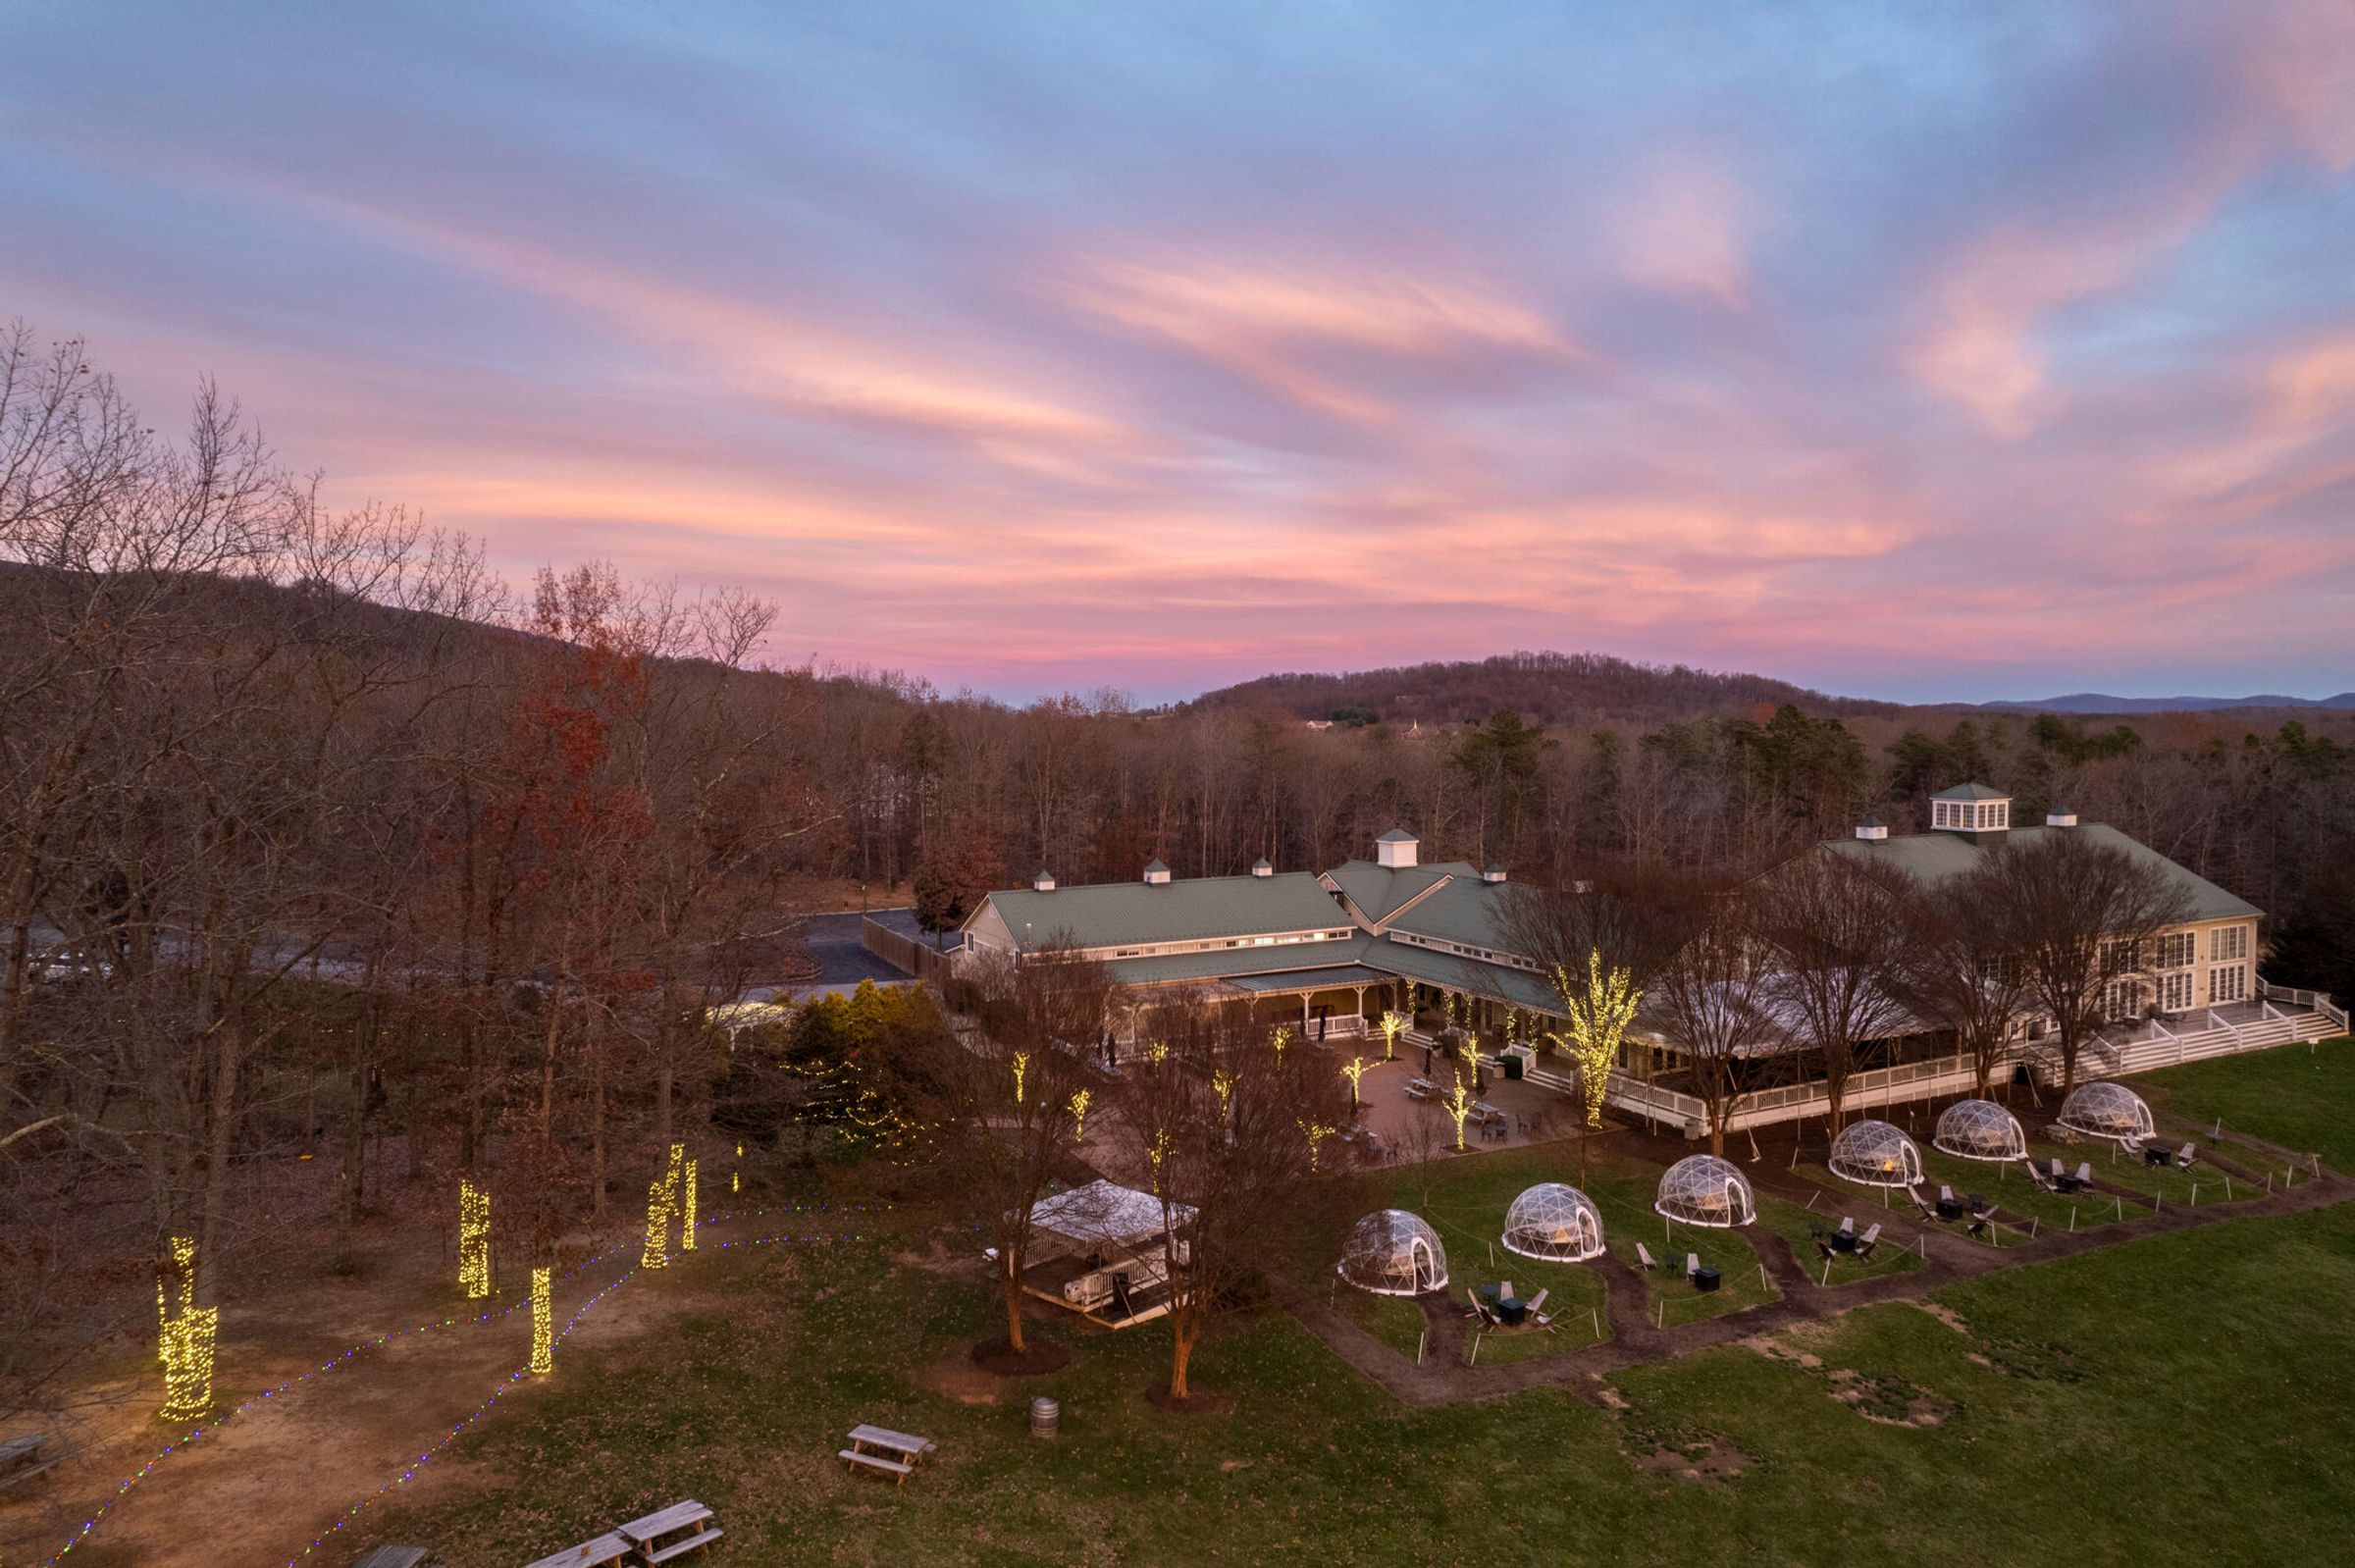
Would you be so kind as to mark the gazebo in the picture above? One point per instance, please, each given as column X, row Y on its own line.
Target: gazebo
column 1102, row 1250
column 1980, row 1130
column 1705, row 1190
column 1876, row 1154
column 1393, row 1253
column 2106, row 1111
column 1554, row 1222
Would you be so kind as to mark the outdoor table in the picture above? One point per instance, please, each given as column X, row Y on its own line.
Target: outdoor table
column 1512, row 1309
column 683, row 1526
column 1949, row 1209
column 909, row 1449
column 1843, row 1242
column 1705, row 1278
column 2157, row 1157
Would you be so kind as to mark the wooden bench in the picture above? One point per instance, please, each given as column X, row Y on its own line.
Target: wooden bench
column 608, row 1548
column 894, row 1454
column 685, row 1521
column 22, row 1458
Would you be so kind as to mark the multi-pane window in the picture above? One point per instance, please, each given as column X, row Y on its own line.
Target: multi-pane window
column 2174, row 951
column 2230, row 984
column 2120, row 955
column 2121, row 1000
column 2229, row 942
column 2175, row 993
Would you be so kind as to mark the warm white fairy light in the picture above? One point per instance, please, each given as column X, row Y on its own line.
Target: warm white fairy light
column 1159, row 1152
column 735, row 1177
column 1281, row 1038
column 657, row 1226
column 1458, row 1105
column 544, row 1319
column 1356, row 1070
column 187, row 1342
column 1022, row 1062
column 1317, row 1133
column 1393, row 1024
column 1080, row 1104
column 687, row 1212
column 1222, row 1082
column 474, row 1239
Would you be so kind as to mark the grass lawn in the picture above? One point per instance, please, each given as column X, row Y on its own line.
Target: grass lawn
column 2179, row 1396
column 2297, row 1096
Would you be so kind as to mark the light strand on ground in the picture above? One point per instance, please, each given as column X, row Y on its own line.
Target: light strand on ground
column 474, row 1239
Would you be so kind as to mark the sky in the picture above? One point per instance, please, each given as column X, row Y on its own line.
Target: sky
column 1927, row 353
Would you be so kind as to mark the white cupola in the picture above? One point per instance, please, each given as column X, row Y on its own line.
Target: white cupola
column 1261, row 867
column 1873, row 830
column 1495, row 874
column 1971, row 809
column 1043, row 882
column 2059, row 817
column 1396, row 849
column 1156, row 873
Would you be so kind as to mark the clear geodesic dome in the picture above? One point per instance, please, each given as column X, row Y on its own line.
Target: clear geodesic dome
column 1876, row 1155
column 1393, row 1253
column 1982, row 1130
column 1553, row 1221
column 2106, row 1111
column 1706, row 1190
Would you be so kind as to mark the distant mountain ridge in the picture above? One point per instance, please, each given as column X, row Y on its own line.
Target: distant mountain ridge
column 1549, row 688
column 2103, row 702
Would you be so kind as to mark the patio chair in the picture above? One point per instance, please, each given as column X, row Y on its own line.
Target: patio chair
column 1691, row 1264
column 2057, row 1172
column 1536, row 1305
column 1644, row 1256
column 1867, row 1241
column 1945, row 1194
column 1480, row 1309
column 1505, row 1290
column 2185, row 1156
column 1848, row 1224
column 1929, row 1211
column 2085, row 1175
column 2036, row 1176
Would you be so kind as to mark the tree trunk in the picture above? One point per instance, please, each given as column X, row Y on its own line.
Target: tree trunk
column 1013, row 1303
column 220, row 1135
column 597, row 1130
column 1182, row 1334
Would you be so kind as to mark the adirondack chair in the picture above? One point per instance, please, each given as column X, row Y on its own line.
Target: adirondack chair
column 1644, row 1256
column 2085, row 1175
column 1867, row 1241
column 2187, row 1155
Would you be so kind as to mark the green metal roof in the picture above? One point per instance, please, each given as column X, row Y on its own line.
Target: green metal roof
column 1467, row 911
column 1970, row 791
column 1346, row 974
column 1935, row 857
column 1187, row 910
column 1381, row 891
column 1398, row 835
column 1228, row 963
column 1516, row 987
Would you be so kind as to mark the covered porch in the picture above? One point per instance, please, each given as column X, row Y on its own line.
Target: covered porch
column 1101, row 1251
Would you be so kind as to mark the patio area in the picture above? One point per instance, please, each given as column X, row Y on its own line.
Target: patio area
column 1407, row 1128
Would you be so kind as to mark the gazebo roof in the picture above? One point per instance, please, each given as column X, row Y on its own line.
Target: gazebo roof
column 1104, row 1212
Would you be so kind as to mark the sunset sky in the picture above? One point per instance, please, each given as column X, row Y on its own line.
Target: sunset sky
column 1918, row 351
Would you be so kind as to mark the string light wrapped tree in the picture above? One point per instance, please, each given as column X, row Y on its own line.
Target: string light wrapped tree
column 687, row 1211
column 1315, row 1133
column 1393, row 1024
column 1355, row 1070
column 188, row 1339
column 1598, row 1007
column 474, row 1239
column 543, row 1320
column 1080, row 1100
column 1458, row 1106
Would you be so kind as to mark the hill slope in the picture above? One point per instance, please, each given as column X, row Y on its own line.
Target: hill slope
column 2102, row 703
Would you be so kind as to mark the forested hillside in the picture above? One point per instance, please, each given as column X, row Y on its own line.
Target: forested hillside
column 1551, row 687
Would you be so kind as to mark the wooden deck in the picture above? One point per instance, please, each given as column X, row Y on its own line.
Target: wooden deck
column 1046, row 1280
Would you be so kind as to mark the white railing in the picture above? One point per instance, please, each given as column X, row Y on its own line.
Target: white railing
column 2312, row 1001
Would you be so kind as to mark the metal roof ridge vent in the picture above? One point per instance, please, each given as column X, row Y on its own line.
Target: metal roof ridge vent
column 1156, row 873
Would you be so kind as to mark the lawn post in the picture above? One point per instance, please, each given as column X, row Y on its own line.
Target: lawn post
column 2121, row 1200
column 1827, row 1273
column 2032, row 1226
column 1422, row 1339
column 2228, row 1189
column 1595, row 1313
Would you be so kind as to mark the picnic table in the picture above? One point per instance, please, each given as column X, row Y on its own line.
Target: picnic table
column 395, row 1557
column 880, row 1448
column 608, row 1548
column 670, row 1532
column 1420, row 1089
column 22, row 1458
